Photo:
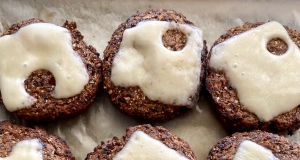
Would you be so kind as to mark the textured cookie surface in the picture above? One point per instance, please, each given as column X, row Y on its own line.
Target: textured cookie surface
column 132, row 100
column 54, row 148
column 231, row 112
column 41, row 83
column 279, row 145
column 106, row 151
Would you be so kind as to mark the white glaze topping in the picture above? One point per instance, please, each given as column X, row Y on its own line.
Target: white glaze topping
column 33, row 47
column 267, row 85
column 27, row 150
column 249, row 150
column 143, row 147
column 168, row 76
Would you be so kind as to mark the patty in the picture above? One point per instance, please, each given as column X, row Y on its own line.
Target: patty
column 41, row 83
column 279, row 145
column 106, row 151
column 227, row 103
column 131, row 100
column 54, row 148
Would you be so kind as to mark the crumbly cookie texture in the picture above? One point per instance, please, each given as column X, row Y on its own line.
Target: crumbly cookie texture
column 54, row 148
column 41, row 83
column 106, row 151
column 230, row 111
column 279, row 145
column 131, row 100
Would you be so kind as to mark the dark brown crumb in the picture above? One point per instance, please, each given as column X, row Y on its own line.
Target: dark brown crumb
column 41, row 83
column 277, row 46
column 174, row 40
column 54, row 148
column 106, row 151
column 132, row 100
column 230, row 111
column 279, row 145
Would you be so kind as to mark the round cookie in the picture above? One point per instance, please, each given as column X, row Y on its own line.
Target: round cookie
column 228, row 105
column 53, row 147
column 132, row 100
column 41, row 83
column 278, row 145
column 112, row 147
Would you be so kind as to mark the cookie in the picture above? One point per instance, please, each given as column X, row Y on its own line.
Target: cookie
column 263, row 144
column 154, row 64
column 255, row 88
column 141, row 141
column 34, row 143
column 46, row 82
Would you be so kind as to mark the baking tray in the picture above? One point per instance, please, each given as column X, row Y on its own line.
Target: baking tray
column 98, row 19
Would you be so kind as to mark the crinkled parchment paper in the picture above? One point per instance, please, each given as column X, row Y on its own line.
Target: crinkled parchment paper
column 98, row 19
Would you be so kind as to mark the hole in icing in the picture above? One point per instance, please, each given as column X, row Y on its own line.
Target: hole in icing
column 277, row 46
column 40, row 82
column 174, row 40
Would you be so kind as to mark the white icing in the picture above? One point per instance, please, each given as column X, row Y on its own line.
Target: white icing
column 33, row 47
column 168, row 76
column 27, row 150
column 249, row 150
column 267, row 85
column 143, row 147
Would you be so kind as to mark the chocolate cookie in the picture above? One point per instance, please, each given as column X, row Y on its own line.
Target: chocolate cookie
column 132, row 99
column 280, row 146
column 52, row 147
column 40, row 84
column 112, row 147
column 232, row 112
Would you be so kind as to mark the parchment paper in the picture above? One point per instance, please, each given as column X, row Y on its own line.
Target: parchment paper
column 98, row 19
